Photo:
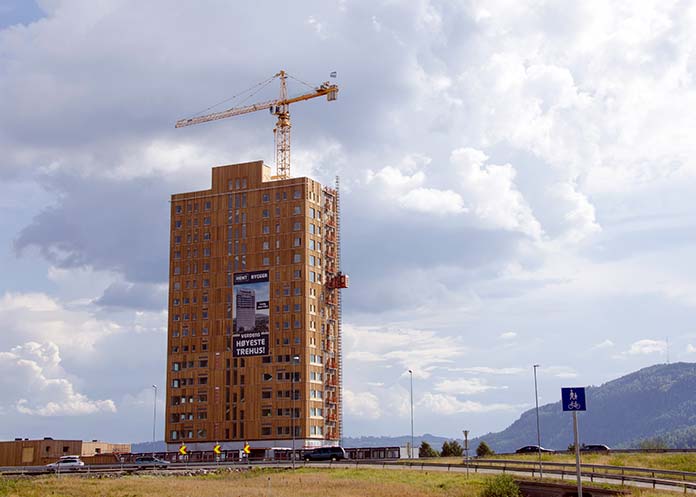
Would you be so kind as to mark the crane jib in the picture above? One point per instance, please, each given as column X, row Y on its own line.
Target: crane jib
column 278, row 107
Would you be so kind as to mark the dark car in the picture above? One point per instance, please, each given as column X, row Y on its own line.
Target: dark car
column 594, row 448
column 150, row 462
column 326, row 454
column 531, row 449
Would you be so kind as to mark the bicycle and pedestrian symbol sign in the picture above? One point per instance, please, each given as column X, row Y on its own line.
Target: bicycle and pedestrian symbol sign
column 573, row 399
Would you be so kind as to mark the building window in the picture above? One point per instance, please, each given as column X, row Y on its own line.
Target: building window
column 297, row 194
column 266, row 197
column 297, row 241
column 296, row 226
column 265, row 245
column 266, row 230
column 311, row 228
column 296, row 258
column 297, row 210
column 265, row 213
column 266, row 261
column 297, row 273
column 177, row 209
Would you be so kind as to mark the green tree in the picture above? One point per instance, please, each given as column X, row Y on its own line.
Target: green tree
column 452, row 448
column 483, row 450
column 652, row 443
column 426, row 450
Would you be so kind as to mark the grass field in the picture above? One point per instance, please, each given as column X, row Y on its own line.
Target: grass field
column 261, row 483
column 684, row 461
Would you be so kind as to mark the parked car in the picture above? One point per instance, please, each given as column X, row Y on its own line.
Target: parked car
column 531, row 449
column 66, row 463
column 326, row 454
column 150, row 462
column 594, row 448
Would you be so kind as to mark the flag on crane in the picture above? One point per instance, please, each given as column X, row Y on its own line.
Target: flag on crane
column 333, row 74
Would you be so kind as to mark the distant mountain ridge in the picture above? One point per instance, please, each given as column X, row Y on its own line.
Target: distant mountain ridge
column 398, row 441
column 657, row 402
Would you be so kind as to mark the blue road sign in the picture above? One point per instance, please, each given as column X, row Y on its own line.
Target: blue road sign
column 573, row 399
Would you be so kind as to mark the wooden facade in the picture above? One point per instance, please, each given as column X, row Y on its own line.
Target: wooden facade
column 27, row 452
column 249, row 222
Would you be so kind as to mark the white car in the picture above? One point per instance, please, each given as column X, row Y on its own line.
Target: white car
column 66, row 463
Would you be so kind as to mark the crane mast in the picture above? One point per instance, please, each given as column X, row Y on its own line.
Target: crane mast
column 279, row 108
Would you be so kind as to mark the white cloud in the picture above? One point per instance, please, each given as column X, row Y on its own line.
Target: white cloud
column 605, row 344
column 491, row 193
column 362, row 404
column 690, row 349
column 508, row 335
column 559, row 371
column 464, row 386
column 489, row 370
column 417, row 350
column 647, row 346
column 38, row 317
column 430, row 200
column 34, row 384
column 448, row 404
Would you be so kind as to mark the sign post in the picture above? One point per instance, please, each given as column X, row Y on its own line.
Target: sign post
column 466, row 451
column 573, row 399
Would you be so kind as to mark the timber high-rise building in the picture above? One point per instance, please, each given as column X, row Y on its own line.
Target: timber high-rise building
column 254, row 338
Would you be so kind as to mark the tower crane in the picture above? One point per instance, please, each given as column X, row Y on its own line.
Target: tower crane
column 279, row 108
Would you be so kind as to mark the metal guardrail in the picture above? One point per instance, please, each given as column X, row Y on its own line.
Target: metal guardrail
column 621, row 474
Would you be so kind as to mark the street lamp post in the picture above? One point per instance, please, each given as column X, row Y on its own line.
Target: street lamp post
column 536, row 397
column 295, row 360
column 154, row 414
column 410, row 452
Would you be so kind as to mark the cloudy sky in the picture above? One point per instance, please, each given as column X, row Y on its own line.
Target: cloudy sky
column 518, row 187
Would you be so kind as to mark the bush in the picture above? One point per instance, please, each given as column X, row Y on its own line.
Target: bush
column 500, row 486
column 483, row 450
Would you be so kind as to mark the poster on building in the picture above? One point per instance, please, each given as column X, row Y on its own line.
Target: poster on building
column 250, row 313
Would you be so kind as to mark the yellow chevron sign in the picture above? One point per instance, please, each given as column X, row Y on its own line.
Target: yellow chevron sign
column 247, row 449
column 217, row 449
column 182, row 450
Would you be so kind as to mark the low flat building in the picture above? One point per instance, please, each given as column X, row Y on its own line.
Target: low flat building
column 25, row 452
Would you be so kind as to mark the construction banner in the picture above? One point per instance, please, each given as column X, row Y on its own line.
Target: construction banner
column 251, row 300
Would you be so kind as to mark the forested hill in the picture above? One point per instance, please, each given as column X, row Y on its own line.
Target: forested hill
column 657, row 403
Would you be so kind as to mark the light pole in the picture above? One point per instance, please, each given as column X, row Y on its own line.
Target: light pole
column 154, row 415
column 410, row 452
column 295, row 360
column 536, row 397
